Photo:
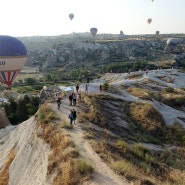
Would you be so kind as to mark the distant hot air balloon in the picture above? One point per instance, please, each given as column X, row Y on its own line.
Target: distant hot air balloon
column 93, row 31
column 149, row 20
column 13, row 55
column 71, row 16
column 121, row 32
column 157, row 32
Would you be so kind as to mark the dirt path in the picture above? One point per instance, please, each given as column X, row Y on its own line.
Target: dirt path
column 102, row 174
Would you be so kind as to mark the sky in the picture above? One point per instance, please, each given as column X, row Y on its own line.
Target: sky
column 51, row 17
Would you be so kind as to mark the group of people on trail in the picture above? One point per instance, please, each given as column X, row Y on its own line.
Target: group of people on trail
column 72, row 116
column 73, row 96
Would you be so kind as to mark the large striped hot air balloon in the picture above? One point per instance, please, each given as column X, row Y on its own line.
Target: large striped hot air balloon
column 93, row 31
column 13, row 55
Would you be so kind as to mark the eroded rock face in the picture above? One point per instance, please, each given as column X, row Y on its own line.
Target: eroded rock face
column 4, row 122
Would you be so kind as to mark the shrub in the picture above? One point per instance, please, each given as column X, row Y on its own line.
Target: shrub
column 105, row 86
column 83, row 167
column 122, row 145
column 168, row 89
column 123, row 167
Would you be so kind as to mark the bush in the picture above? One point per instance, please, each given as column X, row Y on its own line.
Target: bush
column 125, row 168
column 105, row 86
column 168, row 89
column 122, row 145
column 83, row 167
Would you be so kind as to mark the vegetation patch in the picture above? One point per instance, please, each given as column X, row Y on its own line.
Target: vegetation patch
column 140, row 93
column 173, row 97
column 4, row 172
column 146, row 116
column 20, row 110
column 127, row 155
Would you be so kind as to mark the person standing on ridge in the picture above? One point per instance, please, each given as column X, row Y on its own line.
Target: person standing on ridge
column 88, row 81
column 58, row 103
column 77, row 88
column 86, row 88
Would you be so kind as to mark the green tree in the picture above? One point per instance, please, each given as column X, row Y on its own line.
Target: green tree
column 21, row 111
column 30, row 81
column 12, row 105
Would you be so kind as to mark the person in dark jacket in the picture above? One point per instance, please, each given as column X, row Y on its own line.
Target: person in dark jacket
column 77, row 88
column 71, row 117
column 74, row 116
column 70, row 99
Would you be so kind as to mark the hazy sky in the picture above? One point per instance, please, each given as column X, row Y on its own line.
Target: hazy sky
column 51, row 17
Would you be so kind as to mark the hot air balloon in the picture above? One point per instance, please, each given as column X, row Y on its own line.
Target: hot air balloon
column 93, row 31
column 173, row 41
column 149, row 20
column 157, row 32
column 71, row 16
column 13, row 55
column 121, row 32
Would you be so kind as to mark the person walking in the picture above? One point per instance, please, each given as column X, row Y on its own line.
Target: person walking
column 77, row 88
column 74, row 116
column 58, row 103
column 100, row 88
column 88, row 81
column 70, row 99
column 86, row 88
column 74, row 99
column 71, row 117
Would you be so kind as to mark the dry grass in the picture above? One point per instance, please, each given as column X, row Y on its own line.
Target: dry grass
column 146, row 116
column 94, row 112
column 4, row 173
column 66, row 174
column 140, row 93
column 121, row 144
column 125, row 168
column 135, row 76
column 177, row 176
column 89, row 135
column 45, row 114
column 173, row 97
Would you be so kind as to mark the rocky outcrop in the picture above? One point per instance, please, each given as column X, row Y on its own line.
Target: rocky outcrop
column 4, row 122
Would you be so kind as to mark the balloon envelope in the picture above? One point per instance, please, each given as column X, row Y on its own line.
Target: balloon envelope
column 157, row 32
column 93, row 31
column 71, row 16
column 149, row 20
column 173, row 41
column 13, row 55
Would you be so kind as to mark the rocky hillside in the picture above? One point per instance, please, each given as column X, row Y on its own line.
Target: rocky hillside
column 81, row 50
column 4, row 122
column 131, row 132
